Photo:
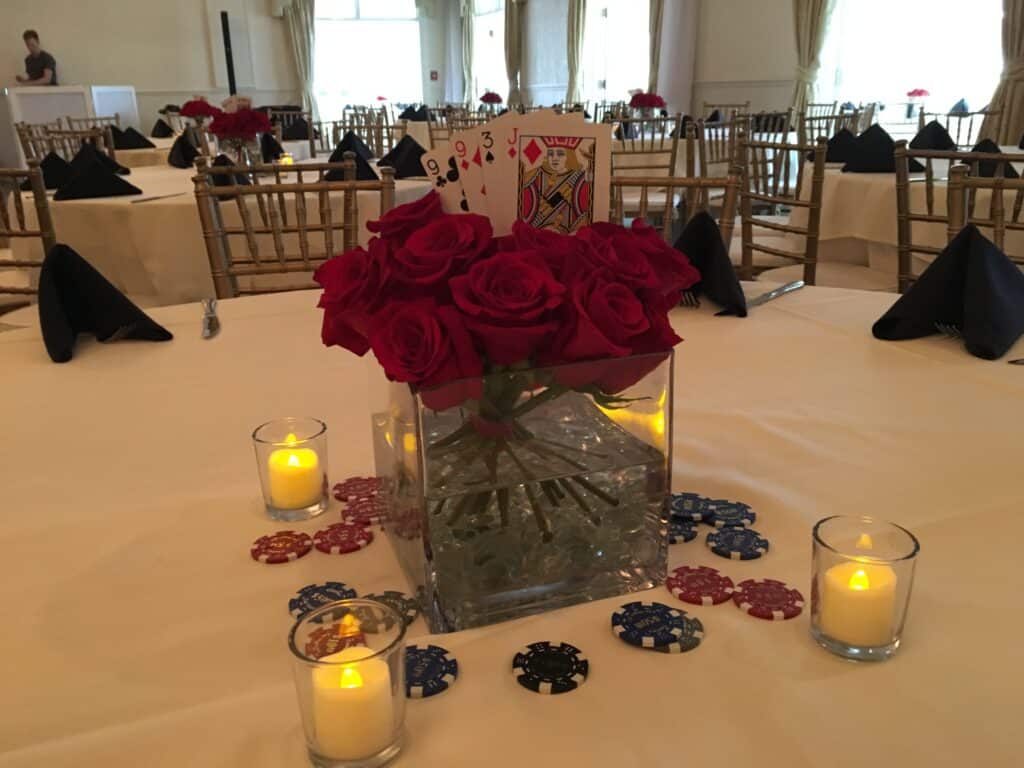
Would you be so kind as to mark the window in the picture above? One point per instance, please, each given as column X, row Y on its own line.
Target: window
column 616, row 49
column 489, row 72
column 878, row 50
column 366, row 49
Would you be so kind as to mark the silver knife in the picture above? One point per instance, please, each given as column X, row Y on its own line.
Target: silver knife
column 211, row 323
column 156, row 197
column 782, row 289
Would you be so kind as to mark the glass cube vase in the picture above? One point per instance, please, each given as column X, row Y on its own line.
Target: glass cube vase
column 530, row 489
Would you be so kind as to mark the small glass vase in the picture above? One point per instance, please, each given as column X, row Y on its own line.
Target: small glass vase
column 862, row 576
column 531, row 489
column 349, row 669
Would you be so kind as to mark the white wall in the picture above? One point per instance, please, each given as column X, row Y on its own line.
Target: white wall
column 746, row 50
column 678, row 53
column 162, row 47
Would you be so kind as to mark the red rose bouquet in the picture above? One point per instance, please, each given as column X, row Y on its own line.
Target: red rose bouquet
column 242, row 125
column 917, row 93
column 646, row 100
column 199, row 109
column 490, row 97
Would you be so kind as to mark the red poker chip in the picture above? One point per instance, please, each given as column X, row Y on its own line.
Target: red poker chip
column 358, row 488
column 281, row 547
column 768, row 599
column 324, row 641
column 341, row 538
column 365, row 511
column 700, row 585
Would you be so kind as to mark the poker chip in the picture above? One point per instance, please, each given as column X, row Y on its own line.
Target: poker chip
column 737, row 543
column 768, row 599
column 688, row 506
column 428, row 671
column 324, row 641
column 358, row 488
column 313, row 596
column 406, row 607
column 648, row 625
column 729, row 514
column 546, row 668
column 700, row 585
column 692, row 636
column 342, row 538
column 281, row 547
column 681, row 531
column 369, row 511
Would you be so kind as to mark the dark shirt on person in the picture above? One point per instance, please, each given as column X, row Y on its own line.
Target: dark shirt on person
column 35, row 65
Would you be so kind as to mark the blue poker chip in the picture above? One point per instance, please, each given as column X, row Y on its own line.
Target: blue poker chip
column 681, row 531
column 546, row 668
column 428, row 671
column 313, row 596
column 729, row 514
column 649, row 625
column 688, row 506
column 737, row 543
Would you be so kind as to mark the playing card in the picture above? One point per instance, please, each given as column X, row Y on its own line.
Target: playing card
column 443, row 170
column 464, row 145
column 551, row 172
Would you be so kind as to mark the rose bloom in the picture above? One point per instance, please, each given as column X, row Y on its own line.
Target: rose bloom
column 354, row 284
column 397, row 224
column 441, row 249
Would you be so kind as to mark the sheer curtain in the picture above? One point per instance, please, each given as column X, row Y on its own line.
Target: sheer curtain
column 468, row 12
column 514, row 48
column 301, row 21
column 809, row 20
column 1007, row 126
column 575, row 30
column 657, row 12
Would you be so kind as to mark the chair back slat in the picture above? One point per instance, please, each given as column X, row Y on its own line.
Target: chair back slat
column 649, row 144
column 281, row 119
column 21, row 226
column 85, row 123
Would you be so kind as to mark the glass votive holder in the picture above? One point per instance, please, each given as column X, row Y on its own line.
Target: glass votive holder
column 291, row 458
column 349, row 671
column 862, row 576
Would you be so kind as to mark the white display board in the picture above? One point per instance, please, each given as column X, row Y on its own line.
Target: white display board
column 116, row 99
column 36, row 104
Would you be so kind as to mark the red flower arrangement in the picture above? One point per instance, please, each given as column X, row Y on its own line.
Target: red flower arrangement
column 917, row 93
column 490, row 97
column 242, row 125
column 382, row 98
column 440, row 301
column 650, row 100
column 199, row 108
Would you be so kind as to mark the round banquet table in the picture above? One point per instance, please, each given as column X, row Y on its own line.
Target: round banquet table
column 142, row 158
column 140, row 631
column 153, row 250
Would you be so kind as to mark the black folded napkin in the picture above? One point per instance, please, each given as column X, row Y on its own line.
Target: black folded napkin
column 971, row 286
column 420, row 115
column 129, row 138
column 364, row 171
column 701, row 241
column 270, row 149
column 714, row 117
column 56, row 172
column 351, row 142
column 74, row 298
column 960, row 108
column 183, row 154
column 296, row 130
column 873, row 152
column 94, row 179
column 987, row 168
column 933, row 136
column 405, row 158
column 841, row 147
column 227, row 179
column 407, row 113
column 88, row 153
column 161, row 130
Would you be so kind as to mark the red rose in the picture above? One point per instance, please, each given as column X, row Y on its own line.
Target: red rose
column 353, row 284
column 565, row 255
column 606, row 316
column 198, row 108
column 398, row 223
column 427, row 345
column 508, row 301
column 671, row 267
column 616, row 248
column 442, row 248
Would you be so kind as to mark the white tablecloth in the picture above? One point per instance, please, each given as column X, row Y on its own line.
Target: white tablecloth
column 420, row 131
column 154, row 250
column 140, row 632
column 141, row 158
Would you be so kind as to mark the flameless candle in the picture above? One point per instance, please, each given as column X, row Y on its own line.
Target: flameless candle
column 294, row 476
column 352, row 705
column 857, row 601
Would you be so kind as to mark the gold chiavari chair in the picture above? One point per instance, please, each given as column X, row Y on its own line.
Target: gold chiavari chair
column 466, row 122
column 769, row 126
column 379, row 131
column 923, row 220
column 19, row 226
column 810, row 127
column 33, row 138
column 610, row 111
column 652, row 149
column 437, row 128
column 85, row 123
column 774, row 179
column 67, row 143
column 717, row 144
column 696, row 190
column 963, row 127
column 966, row 195
column 867, row 117
column 270, row 223
column 282, row 119
column 822, row 108
column 726, row 109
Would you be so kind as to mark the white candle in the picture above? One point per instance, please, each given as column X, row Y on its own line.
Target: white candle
column 294, row 476
column 352, row 705
column 857, row 602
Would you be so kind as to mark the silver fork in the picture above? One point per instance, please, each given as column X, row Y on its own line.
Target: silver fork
column 947, row 329
column 211, row 323
column 689, row 299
